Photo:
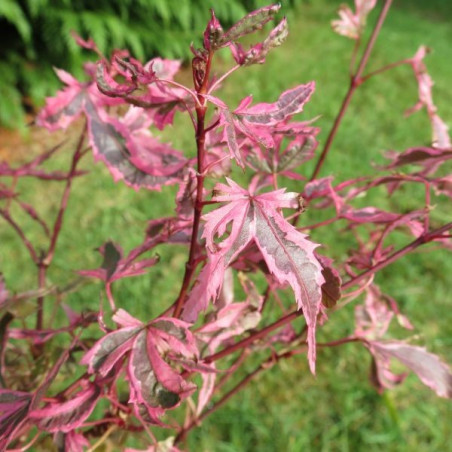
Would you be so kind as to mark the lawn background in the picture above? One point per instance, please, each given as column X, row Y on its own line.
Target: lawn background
column 287, row 408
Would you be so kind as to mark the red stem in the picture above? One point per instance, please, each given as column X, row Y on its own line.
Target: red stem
column 425, row 238
column 293, row 315
column 21, row 234
column 45, row 261
column 191, row 264
column 266, row 364
column 354, row 83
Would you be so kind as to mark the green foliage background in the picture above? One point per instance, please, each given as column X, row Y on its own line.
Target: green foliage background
column 286, row 408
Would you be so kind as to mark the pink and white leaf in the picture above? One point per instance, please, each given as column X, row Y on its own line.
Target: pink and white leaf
column 352, row 24
column 248, row 24
column 288, row 254
column 108, row 350
column 289, row 103
column 67, row 416
column 428, row 367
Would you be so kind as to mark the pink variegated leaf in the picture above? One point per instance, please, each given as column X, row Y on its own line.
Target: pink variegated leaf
column 322, row 189
column 154, row 384
column 428, row 367
column 109, row 86
column 374, row 317
column 288, row 254
column 428, row 158
column 258, row 52
column 14, row 408
column 257, row 122
column 129, row 154
column 249, row 24
column 60, row 111
column 352, row 24
column 111, row 348
column 289, row 103
column 69, row 415
column 440, row 134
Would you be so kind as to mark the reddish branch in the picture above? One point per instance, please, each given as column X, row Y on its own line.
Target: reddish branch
column 46, row 260
column 356, row 80
column 201, row 131
column 425, row 238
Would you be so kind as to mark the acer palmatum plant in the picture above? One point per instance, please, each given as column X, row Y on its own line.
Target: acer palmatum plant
column 245, row 247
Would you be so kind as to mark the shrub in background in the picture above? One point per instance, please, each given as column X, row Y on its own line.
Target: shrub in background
column 245, row 248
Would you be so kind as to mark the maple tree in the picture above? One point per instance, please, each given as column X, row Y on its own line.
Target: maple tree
column 144, row 368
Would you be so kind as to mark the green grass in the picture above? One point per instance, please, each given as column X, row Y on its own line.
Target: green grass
column 286, row 408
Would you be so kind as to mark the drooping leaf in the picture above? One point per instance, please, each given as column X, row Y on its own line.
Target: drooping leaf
column 130, row 152
column 288, row 254
column 428, row 158
column 125, row 145
column 428, row 367
column 67, row 416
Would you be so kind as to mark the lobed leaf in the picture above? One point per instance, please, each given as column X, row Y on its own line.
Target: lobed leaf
column 250, row 23
column 288, row 254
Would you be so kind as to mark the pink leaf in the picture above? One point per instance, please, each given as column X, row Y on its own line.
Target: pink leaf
column 14, row 408
column 289, row 103
column 258, row 52
column 429, row 158
column 288, row 254
column 67, row 416
column 440, row 135
column 352, row 24
column 250, row 23
column 107, row 351
column 154, row 383
column 428, row 367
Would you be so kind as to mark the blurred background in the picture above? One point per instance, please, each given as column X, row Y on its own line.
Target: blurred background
column 285, row 409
